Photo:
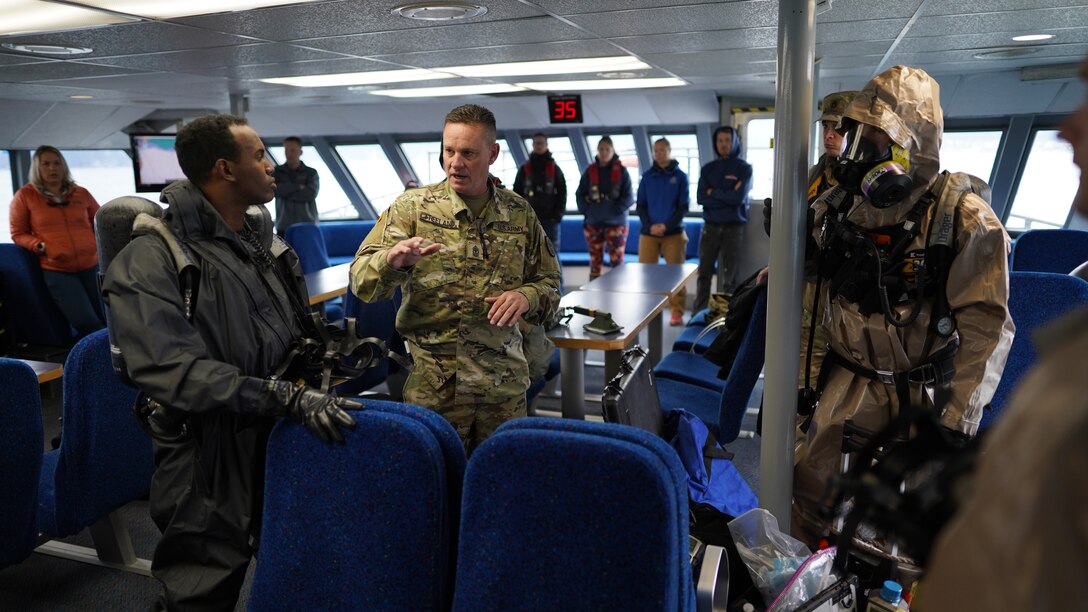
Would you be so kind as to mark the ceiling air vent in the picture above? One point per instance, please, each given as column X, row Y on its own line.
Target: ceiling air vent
column 439, row 11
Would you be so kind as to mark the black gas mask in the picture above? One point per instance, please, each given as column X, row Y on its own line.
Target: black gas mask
column 878, row 173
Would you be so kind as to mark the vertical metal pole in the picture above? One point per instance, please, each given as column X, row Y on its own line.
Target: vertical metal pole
column 793, row 116
column 239, row 104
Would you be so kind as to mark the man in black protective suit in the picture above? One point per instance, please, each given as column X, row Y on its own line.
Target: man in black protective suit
column 201, row 351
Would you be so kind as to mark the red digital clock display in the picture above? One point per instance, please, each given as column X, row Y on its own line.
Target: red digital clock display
column 565, row 109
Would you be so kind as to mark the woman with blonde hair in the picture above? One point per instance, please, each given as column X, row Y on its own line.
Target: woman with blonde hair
column 53, row 218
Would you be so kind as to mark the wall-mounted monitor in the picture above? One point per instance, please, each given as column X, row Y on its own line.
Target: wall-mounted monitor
column 154, row 162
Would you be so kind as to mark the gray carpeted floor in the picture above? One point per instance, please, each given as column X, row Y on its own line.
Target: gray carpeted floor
column 45, row 583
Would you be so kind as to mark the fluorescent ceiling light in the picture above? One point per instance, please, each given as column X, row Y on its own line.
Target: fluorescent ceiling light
column 564, row 66
column 1032, row 37
column 29, row 16
column 344, row 79
column 459, row 90
column 603, row 84
column 166, row 9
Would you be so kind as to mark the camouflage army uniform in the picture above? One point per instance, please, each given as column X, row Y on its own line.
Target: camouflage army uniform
column 475, row 374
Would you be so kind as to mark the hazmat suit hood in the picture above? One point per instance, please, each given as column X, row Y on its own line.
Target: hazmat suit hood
column 905, row 102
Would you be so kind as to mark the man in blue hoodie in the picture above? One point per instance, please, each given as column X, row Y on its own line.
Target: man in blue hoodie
column 723, row 194
column 661, row 204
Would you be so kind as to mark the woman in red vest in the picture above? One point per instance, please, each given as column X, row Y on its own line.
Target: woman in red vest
column 604, row 197
column 53, row 218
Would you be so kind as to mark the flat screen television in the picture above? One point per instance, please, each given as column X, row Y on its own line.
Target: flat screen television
column 154, row 162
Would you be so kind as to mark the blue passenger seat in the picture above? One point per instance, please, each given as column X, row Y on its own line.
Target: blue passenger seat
column 1049, row 250
column 104, row 460
column 33, row 317
column 361, row 526
column 597, row 484
column 1035, row 299
column 20, row 460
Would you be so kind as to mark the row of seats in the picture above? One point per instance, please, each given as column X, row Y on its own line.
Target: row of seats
column 341, row 240
column 573, row 250
column 104, row 461
column 537, row 519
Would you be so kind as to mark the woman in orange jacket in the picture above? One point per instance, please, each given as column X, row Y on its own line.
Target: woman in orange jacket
column 53, row 218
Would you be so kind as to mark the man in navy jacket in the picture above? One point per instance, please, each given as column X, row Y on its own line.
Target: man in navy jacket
column 723, row 193
column 661, row 203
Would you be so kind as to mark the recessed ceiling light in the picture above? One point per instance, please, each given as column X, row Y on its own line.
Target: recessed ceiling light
column 1032, row 37
column 27, row 16
column 459, row 90
column 1006, row 52
column 344, row 79
column 164, row 9
column 603, row 84
column 439, row 11
column 81, row 97
column 47, row 49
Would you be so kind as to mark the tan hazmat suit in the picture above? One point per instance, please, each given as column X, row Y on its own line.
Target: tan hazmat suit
column 1020, row 542
column 905, row 103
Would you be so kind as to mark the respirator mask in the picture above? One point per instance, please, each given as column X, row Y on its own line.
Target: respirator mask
column 868, row 169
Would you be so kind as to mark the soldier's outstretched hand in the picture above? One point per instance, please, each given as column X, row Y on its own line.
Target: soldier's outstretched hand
column 406, row 253
column 507, row 308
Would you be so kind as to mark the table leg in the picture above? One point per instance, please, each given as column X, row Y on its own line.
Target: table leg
column 572, row 382
column 655, row 332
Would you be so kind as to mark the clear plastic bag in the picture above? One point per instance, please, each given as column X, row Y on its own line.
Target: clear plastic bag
column 813, row 576
column 772, row 557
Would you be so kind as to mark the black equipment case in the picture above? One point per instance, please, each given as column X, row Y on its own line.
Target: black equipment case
column 630, row 398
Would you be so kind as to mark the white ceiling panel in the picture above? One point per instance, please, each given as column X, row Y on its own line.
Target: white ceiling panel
column 509, row 53
column 747, row 38
column 132, row 38
column 1027, row 20
column 451, row 37
column 338, row 18
column 698, row 18
column 203, row 60
column 57, row 71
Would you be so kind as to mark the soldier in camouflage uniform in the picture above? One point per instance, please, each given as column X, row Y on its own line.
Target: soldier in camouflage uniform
column 473, row 260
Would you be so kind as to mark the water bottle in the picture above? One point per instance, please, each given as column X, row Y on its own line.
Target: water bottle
column 888, row 599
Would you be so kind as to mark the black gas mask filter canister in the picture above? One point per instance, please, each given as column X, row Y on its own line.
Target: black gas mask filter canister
column 866, row 169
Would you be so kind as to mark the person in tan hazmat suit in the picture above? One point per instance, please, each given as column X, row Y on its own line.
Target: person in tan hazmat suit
column 1022, row 534
column 915, row 284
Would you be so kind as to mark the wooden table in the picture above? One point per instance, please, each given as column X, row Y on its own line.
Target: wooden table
column 633, row 311
column 45, row 370
column 328, row 283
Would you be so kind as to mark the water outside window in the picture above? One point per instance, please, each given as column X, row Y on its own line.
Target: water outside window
column 373, row 172
column 5, row 196
column 332, row 202
column 970, row 152
column 563, row 154
column 504, row 167
column 106, row 173
column 1049, row 182
column 685, row 150
column 625, row 148
column 423, row 157
column 760, row 153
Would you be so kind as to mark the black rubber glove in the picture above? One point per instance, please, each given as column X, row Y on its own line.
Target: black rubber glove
column 322, row 414
column 767, row 216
